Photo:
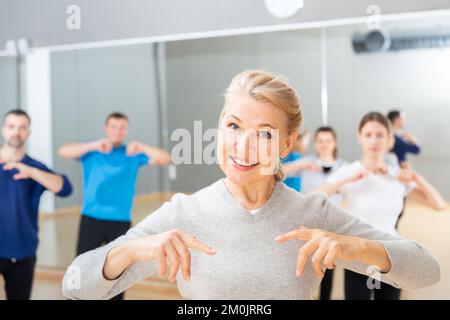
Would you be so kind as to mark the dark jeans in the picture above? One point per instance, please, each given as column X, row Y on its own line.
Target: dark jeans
column 18, row 276
column 326, row 285
column 356, row 288
column 95, row 233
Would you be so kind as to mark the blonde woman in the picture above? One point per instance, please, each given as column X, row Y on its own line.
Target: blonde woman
column 248, row 236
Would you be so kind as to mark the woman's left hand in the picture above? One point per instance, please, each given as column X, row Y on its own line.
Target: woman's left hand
column 325, row 248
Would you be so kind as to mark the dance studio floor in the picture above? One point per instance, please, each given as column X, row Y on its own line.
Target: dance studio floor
column 58, row 234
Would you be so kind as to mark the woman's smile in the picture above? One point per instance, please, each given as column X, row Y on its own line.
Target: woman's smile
column 242, row 165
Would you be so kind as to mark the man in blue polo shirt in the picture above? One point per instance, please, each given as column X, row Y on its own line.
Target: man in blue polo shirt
column 22, row 182
column 109, row 177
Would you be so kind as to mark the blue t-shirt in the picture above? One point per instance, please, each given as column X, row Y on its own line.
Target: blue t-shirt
column 19, row 204
column 293, row 182
column 109, row 183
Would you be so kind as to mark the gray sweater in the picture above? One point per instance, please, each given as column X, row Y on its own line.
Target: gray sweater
column 248, row 264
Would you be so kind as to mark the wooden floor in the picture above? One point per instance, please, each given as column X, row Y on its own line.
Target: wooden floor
column 58, row 234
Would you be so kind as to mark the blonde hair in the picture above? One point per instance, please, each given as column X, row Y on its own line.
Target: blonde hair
column 271, row 88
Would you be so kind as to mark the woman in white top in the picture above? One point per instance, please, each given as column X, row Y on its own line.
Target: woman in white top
column 314, row 170
column 374, row 192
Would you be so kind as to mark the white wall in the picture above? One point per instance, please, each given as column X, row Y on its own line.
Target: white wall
column 39, row 107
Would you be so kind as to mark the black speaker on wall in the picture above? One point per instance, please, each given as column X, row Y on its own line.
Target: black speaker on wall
column 382, row 41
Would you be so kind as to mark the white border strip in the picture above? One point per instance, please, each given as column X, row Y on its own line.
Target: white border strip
column 324, row 76
column 39, row 107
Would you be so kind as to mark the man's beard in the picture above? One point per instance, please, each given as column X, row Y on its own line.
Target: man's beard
column 15, row 142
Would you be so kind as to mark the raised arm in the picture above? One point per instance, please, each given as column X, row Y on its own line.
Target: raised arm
column 331, row 188
column 157, row 156
column 49, row 180
column 425, row 193
column 409, row 143
column 77, row 150
column 295, row 167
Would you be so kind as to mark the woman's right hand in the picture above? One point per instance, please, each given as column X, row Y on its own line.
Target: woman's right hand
column 172, row 246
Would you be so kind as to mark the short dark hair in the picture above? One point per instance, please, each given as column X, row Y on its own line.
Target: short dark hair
column 393, row 114
column 17, row 112
column 116, row 115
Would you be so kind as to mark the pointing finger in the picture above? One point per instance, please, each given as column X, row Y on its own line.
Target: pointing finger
column 193, row 243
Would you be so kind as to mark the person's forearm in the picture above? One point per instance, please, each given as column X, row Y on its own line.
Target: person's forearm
column 75, row 150
column 330, row 188
column 413, row 141
column 50, row 181
column 156, row 155
column 374, row 254
column 117, row 261
column 432, row 196
column 292, row 168
column 148, row 150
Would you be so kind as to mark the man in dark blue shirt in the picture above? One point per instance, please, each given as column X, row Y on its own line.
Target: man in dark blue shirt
column 404, row 142
column 22, row 182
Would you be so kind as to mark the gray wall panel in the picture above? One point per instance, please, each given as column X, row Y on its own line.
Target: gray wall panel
column 89, row 84
column 198, row 72
column 44, row 22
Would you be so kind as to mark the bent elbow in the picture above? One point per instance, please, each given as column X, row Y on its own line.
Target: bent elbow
column 66, row 188
column 431, row 274
column 435, row 273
